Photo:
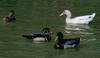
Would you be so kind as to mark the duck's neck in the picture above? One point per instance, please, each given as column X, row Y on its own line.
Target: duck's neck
column 68, row 14
column 60, row 39
column 11, row 14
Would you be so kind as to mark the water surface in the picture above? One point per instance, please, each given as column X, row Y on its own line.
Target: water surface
column 33, row 15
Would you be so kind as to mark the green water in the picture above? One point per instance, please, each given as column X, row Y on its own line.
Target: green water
column 33, row 15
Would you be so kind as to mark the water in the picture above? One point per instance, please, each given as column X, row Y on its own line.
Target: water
column 33, row 15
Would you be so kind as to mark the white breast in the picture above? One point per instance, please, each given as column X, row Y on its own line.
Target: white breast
column 39, row 39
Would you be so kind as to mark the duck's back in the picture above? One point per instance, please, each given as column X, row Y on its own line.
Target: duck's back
column 71, row 43
column 82, row 19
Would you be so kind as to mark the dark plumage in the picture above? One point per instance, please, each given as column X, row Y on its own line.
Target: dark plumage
column 11, row 16
column 44, row 36
column 66, row 43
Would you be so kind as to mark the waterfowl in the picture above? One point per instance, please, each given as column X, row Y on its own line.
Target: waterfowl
column 44, row 36
column 66, row 43
column 11, row 16
column 77, row 20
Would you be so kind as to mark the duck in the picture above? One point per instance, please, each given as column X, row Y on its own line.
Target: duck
column 86, row 19
column 66, row 43
column 11, row 16
column 45, row 36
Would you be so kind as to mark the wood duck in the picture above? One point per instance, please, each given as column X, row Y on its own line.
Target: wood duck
column 44, row 36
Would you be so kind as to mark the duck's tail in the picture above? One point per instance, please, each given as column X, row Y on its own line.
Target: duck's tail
column 27, row 36
column 93, row 15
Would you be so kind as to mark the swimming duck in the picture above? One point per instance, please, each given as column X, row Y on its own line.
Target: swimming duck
column 44, row 36
column 77, row 20
column 66, row 43
column 11, row 16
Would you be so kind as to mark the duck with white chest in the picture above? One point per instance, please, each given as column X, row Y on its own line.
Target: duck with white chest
column 85, row 19
column 45, row 36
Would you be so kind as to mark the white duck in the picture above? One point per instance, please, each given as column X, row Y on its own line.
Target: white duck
column 77, row 20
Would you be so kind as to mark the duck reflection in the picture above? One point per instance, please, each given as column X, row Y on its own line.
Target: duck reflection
column 84, row 31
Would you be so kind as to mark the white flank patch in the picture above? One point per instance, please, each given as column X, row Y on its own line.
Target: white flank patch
column 39, row 39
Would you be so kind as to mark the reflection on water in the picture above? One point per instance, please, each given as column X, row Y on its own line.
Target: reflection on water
column 35, row 14
column 84, row 31
column 71, row 28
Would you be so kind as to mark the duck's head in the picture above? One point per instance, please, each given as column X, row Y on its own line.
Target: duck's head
column 46, row 30
column 59, row 36
column 66, row 12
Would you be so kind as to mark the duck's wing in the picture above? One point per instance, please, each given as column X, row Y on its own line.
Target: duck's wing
column 84, row 18
column 81, row 18
column 72, row 41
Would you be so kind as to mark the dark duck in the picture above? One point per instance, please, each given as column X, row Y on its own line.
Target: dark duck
column 66, row 43
column 45, row 36
column 11, row 16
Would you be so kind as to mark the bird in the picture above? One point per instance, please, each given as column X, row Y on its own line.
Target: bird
column 66, row 43
column 45, row 36
column 11, row 16
column 86, row 19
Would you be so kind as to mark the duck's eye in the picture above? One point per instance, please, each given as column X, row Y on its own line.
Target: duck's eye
column 45, row 31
